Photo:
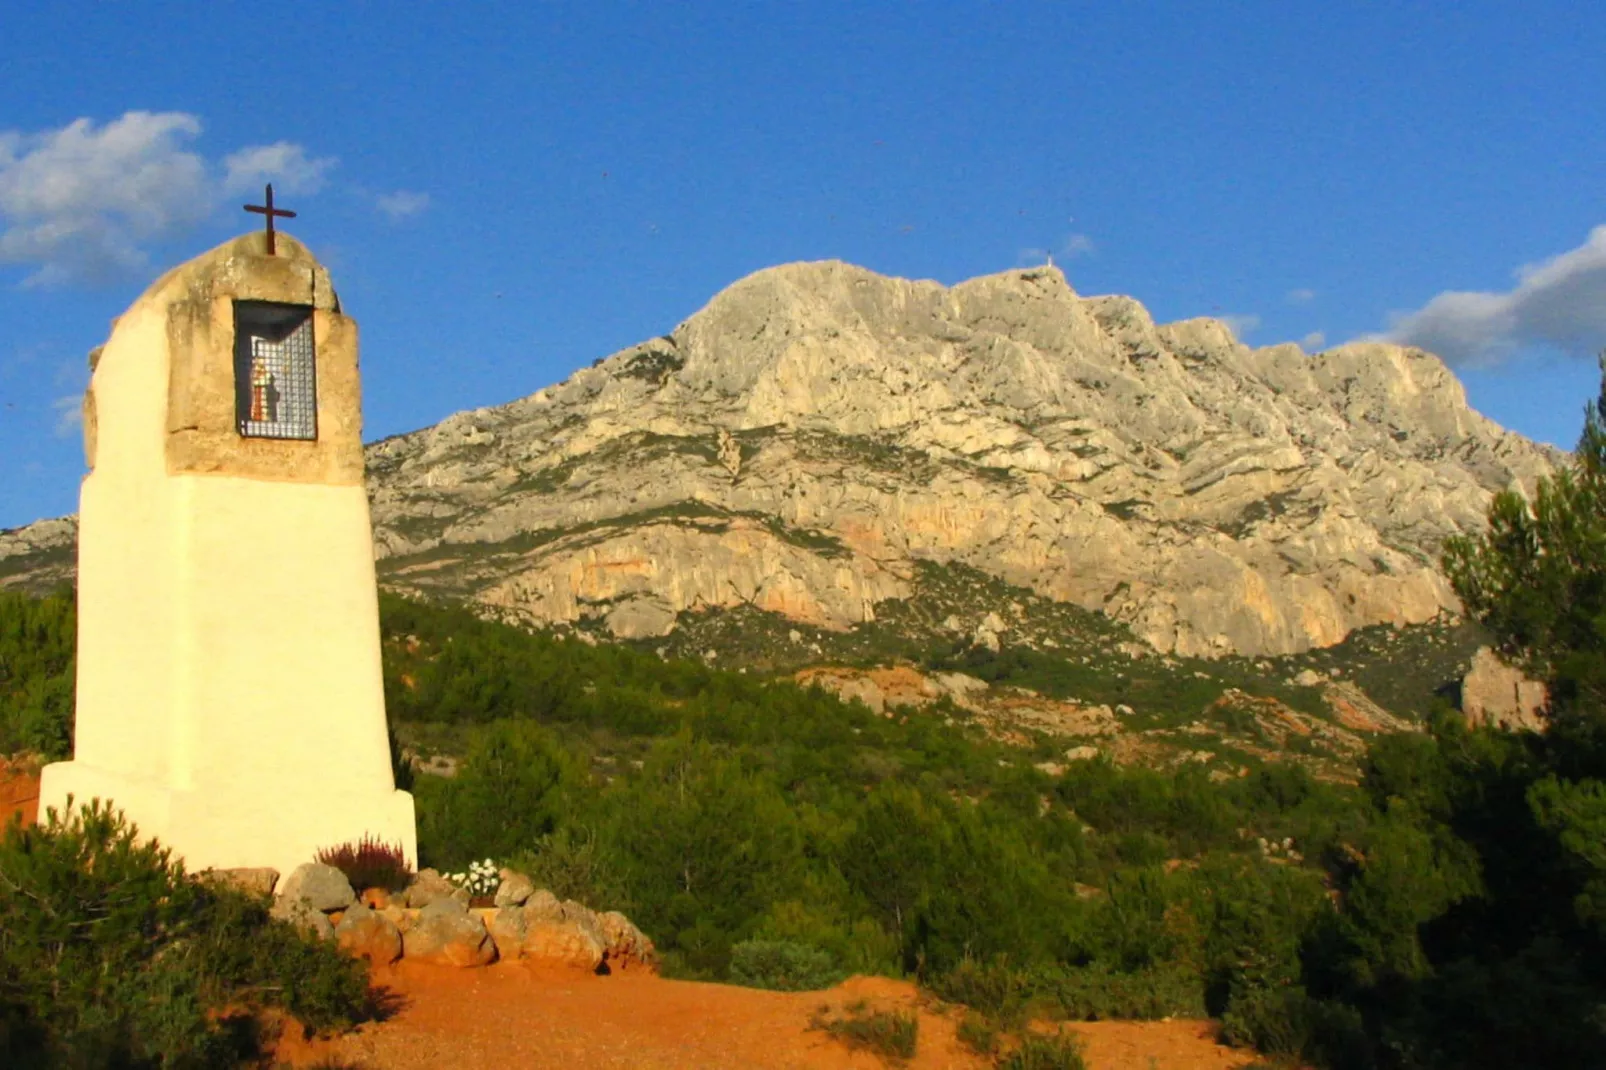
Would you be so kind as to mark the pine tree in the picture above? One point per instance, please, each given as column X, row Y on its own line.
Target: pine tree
column 1537, row 578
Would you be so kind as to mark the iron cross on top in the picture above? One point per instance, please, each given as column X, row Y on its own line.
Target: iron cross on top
column 270, row 211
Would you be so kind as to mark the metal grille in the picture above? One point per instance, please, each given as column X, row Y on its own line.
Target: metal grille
column 276, row 390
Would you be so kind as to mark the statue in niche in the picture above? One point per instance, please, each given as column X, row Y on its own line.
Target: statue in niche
column 264, row 392
column 275, row 371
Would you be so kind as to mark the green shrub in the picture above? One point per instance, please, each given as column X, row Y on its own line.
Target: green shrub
column 1100, row 993
column 890, row 1034
column 1287, row 1022
column 37, row 648
column 111, row 955
column 512, row 789
column 993, row 988
column 782, row 966
column 1062, row 1052
column 571, row 864
column 978, row 1034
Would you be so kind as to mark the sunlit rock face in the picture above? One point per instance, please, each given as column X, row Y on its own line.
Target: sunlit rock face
column 816, row 429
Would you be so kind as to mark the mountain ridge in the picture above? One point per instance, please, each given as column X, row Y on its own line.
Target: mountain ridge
column 813, row 432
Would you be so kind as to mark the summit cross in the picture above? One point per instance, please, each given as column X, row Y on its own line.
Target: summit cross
column 270, row 211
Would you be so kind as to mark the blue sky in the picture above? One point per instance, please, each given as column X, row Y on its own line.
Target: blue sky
column 507, row 192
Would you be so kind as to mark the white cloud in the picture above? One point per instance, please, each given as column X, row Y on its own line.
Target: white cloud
column 1558, row 304
column 69, row 412
column 1301, row 296
column 1241, row 326
column 1073, row 246
column 1077, row 245
column 1314, row 340
column 79, row 201
column 402, row 203
column 283, row 163
column 83, row 202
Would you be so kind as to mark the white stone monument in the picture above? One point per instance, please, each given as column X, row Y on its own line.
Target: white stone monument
column 230, row 697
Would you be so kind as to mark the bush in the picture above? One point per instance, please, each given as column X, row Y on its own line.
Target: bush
column 1100, row 993
column 571, row 865
column 1288, row 1022
column 891, row 1034
column 37, row 646
column 111, row 955
column 1045, row 1053
column 782, row 966
column 978, row 1034
column 368, row 863
column 510, row 792
column 994, row 989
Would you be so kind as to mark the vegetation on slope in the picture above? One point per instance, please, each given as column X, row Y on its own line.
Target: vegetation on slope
column 1446, row 912
column 37, row 638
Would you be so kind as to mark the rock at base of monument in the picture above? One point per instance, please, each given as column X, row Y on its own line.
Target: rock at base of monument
column 628, row 946
column 321, row 887
column 428, row 887
column 545, row 931
column 255, row 881
column 514, row 889
column 298, row 913
column 508, row 928
column 542, row 905
column 370, row 935
column 576, row 944
column 446, row 934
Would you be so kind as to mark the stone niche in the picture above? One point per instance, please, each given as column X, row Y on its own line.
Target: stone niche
column 210, row 390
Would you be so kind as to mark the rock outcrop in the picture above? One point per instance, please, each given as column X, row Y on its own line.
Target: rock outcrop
column 1494, row 693
column 816, row 430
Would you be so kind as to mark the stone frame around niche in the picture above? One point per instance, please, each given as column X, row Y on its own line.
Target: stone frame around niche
column 203, row 431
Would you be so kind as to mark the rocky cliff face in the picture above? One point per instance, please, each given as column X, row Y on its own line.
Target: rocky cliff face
column 816, row 429
column 800, row 443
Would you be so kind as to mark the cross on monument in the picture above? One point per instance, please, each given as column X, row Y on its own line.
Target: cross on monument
column 270, row 211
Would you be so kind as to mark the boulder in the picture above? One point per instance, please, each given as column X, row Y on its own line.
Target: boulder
column 514, row 889
column 572, row 943
column 369, row 934
column 1495, row 693
column 508, row 930
column 321, row 887
column 542, row 905
column 300, row 914
column 428, row 886
column 252, row 880
column 446, row 934
column 627, row 946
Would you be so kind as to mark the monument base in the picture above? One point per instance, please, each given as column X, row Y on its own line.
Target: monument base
column 218, row 828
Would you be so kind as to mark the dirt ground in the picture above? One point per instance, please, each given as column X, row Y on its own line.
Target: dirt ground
column 19, row 792
column 506, row 1015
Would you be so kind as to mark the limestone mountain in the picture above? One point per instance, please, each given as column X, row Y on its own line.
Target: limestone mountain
column 819, row 434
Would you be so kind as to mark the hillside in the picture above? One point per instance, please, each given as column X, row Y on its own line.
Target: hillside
column 817, row 433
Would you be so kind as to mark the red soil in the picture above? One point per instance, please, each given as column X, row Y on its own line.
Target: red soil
column 19, row 792
column 506, row 1016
